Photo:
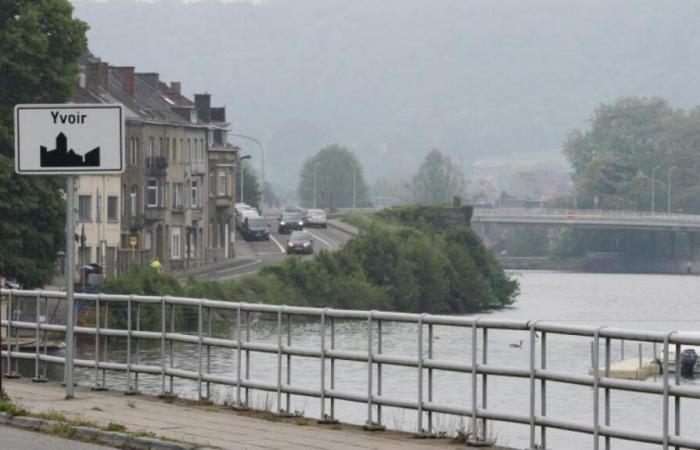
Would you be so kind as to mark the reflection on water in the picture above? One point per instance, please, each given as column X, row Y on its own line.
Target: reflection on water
column 656, row 302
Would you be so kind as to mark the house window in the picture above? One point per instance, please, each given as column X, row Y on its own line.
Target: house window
column 177, row 195
column 98, row 207
column 112, row 208
column 134, row 196
column 222, row 183
column 189, row 150
column 85, row 208
column 176, row 240
column 150, row 152
column 212, row 184
column 194, row 187
column 152, row 192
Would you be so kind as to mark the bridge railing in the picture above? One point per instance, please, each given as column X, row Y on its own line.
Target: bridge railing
column 572, row 214
column 377, row 356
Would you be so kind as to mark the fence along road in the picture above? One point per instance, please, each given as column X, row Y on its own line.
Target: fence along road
column 375, row 358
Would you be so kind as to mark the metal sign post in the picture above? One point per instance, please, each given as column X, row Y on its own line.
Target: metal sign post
column 70, row 140
column 70, row 298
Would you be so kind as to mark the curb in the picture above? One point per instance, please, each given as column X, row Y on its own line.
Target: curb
column 88, row 434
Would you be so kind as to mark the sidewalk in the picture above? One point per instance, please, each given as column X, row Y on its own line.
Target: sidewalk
column 210, row 426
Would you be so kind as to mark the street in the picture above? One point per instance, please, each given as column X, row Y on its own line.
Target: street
column 14, row 438
column 251, row 256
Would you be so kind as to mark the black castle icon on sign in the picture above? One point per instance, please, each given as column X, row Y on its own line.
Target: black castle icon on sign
column 62, row 157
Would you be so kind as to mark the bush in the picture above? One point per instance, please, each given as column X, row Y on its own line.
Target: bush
column 414, row 259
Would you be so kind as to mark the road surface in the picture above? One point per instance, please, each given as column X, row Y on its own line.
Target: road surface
column 254, row 255
column 14, row 438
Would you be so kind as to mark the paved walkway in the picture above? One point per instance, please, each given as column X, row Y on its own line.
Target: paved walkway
column 13, row 438
column 210, row 425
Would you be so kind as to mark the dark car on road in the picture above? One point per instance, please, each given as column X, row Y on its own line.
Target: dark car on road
column 300, row 242
column 290, row 221
column 255, row 228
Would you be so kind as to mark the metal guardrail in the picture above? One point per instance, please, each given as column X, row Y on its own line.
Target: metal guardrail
column 375, row 358
column 573, row 214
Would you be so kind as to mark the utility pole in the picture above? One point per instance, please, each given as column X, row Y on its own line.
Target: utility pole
column 354, row 186
column 262, row 165
column 70, row 299
column 668, row 202
column 653, row 188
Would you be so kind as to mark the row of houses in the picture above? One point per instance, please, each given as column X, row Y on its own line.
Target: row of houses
column 175, row 200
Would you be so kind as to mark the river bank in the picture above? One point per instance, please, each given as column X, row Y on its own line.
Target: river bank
column 601, row 263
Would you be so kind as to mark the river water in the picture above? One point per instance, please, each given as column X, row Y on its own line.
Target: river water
column 652, row 302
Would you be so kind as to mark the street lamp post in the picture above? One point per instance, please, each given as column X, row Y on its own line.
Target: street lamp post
column 668, row 202
column 315, row 174
column 262, row 164
column 354, row 186
column 653, row 188
column 242, row 158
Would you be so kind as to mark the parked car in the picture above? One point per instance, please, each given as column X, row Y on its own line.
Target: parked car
column 255, row 228
column 11, row 283
column 315, row 218
column 300, row 242
column 242, row 214
column 290, row 221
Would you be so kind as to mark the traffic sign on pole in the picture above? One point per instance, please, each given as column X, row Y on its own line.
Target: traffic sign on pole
column 69, row 139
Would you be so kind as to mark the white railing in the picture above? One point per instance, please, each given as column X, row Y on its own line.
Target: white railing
column 377, row 355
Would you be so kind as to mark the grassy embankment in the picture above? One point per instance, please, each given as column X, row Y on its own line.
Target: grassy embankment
column 412, row 259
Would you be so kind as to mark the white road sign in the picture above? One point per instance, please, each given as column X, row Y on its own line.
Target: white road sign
column 69, row 139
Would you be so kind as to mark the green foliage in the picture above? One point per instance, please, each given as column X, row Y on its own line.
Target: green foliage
column 628, row 139
column 438, row 180
column 528, row 242
column 333, row 170
column 142, row 280
column 414, row 259
column 40, row 42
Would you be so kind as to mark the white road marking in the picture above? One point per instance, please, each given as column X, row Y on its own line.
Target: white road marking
column 278, row 243
column 231, row 269
column 320, row 239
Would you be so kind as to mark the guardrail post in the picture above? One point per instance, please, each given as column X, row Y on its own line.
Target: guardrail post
column 106, row 342
column 607, row 390
column 677, row 399
column 137, row 343
column 543, row 388
column 9, row 373
column 209, row 316
column 379, row 373
column 97, row 386
column 289, row 362
column 172, row 353
column 46, row 344
column 474, row 437
column 323, row 365
column 162, row 345
column 596, row 391
column 37, row 342
column 420, row 432
column 239, row 336
column 332, row 368
column 370, row 424
column 279, row 360
column 199, row 350
column 129, row 387
column 247, row 356
column 532, row 386
column 665, row 393
column 431, row 337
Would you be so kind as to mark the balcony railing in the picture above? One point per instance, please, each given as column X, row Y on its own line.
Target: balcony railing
column 156, row 165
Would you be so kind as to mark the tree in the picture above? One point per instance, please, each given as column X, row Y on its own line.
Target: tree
column 437, row 180
column 333, row 170
column 40, row 43
column 251, row 187
column 628, row 139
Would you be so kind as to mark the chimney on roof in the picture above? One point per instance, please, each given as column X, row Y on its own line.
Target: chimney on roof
column 91, row 69
column 175, row 87
column 127, row 75
column 103, row 75
column 203, row 104
column 152, row 79
column 218, row 114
